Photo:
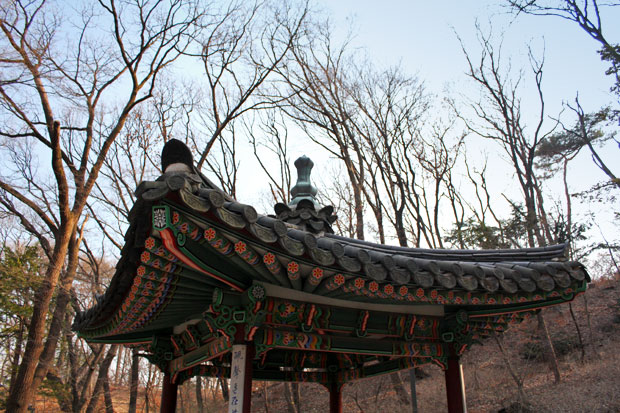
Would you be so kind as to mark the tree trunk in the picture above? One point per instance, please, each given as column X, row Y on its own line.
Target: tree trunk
column 107, row 395
column 296, row 397
column 81, row 386
column 63, row 399
column 199, row 394
column 181, row 400
column 397, row 383
column 17, row 354
column 548, row 346
column 56, row 324
column 579, row 336
column 518, row 379
column 120, row 359
column 147, row 388
column 290, row 403
column 359, row 209
column 22, row 392
column 414, row 396
column 101, row 378
column 133, row 384
column 266, row 396
column 224, row 387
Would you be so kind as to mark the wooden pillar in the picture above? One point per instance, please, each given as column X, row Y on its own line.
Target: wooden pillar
column 335, row 397
column 240, row 396
column 455, row 386
column 168, row 395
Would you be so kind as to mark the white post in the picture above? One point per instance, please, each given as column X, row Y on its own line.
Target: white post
column 238, row 379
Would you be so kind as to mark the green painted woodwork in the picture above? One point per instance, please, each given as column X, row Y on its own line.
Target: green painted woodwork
column 209, row 279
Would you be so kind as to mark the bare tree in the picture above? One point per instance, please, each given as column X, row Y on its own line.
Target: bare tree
column 390, row 106
column 55, row 94
column 239, row 56
column 587, row 132
column 101, row 379
column 498, row 117
column 588, row 15
column 273, row 143
column 133, row 382
column 312, row 91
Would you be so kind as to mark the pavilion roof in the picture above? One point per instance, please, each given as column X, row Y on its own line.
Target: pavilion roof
column 188, row 241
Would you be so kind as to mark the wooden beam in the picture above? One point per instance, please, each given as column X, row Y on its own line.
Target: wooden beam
column 168, row 395
column 455, row 386
column 290, row 294
column 213, row 348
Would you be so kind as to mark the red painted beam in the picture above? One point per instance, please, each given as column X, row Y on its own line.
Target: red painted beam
column 168, row 395
column 455, row 386
column 335, row 397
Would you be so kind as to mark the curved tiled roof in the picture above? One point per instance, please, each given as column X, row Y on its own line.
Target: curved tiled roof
column 328, row 264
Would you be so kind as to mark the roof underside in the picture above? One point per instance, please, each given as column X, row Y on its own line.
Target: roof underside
column 185, row 240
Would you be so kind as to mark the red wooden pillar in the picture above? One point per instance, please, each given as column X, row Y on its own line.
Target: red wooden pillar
column 168, row 395
column 335, row 397
column 455, row 386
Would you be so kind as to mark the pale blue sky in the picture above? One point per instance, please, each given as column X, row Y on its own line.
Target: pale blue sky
column 420, row 35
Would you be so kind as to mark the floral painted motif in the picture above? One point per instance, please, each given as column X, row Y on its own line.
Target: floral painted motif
column 149, row 243
column 272, row 264
column 240, row 247
column 359, row 283
column 293, row 270
column 145, row 257
column 339, row 279
column 316, row 276
column 388, row 289
column 269, row 258
column 373, row 286
column 403, row 291
column 293, row 267
column 209, row 234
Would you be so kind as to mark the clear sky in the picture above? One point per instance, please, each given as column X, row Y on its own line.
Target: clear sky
column 421, row 36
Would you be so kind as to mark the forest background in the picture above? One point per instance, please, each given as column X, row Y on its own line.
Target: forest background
column 462, row 126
